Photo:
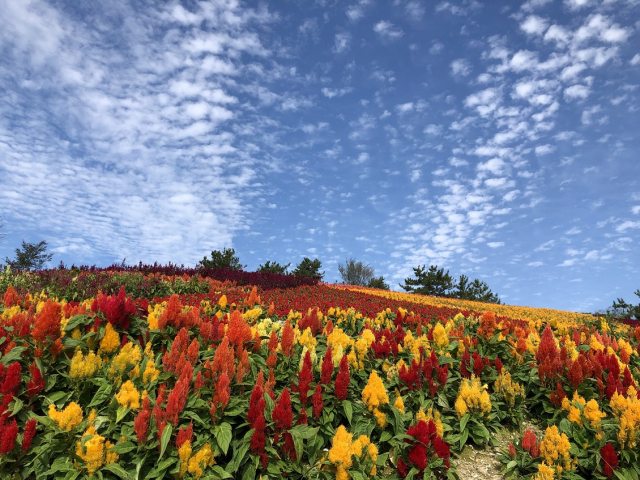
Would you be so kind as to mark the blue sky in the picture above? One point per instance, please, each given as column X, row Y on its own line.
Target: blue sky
column 496, row 139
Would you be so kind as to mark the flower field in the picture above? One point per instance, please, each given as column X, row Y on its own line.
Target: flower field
column 162, row 373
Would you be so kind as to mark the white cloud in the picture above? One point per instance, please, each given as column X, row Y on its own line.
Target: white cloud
column 458, row 162
column 635, row 60
column 535, row 264
column 388, row 30
column 524, row 60
column 336, row 92
column 495, row 244
column 405, row 107
column 568, row 263
column 623, row 227
column 544, row 149
column 494, row 166
column 512, row 195
column 635, row 209
column 576, row 91
column 432, row 129
column 546, row 246
column 573, row 231
column 499, row 183
column 460, row 67
column 341, row 42
column 438, row 47
column 415, row 175
column 534, row 25
column 577, row 4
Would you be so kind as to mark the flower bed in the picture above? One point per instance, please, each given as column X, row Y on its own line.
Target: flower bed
column 222, row 380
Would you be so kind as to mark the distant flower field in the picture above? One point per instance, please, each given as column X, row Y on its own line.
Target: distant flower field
column 153, row 374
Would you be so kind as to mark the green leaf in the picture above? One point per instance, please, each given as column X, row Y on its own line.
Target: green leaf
column 123, row 447
column 164, row 439
column 75, row 321
column 14, row 355
column 161, row 467
column 444, row 360
column 298, row 443
column 121, row 413
column 219, row 474
column 385, row 437
column 238, row 457
column 103, row 393
column 117, row 470
column 348, row 410
column 304, row 431
column 463, row 421
column 223, row 436
column 357, row 475
column 61, row 464
column 249, row 472
column 17, row 406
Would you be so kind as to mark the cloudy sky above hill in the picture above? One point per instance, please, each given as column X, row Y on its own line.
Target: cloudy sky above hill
column 496, row 139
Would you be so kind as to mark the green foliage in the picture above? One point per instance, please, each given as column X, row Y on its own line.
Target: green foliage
column 309, row 269
column 435, row 282
column 438, row 283
column 355, row 273
column 378, row 282
column 226, row 259
column 273, row 267
column 32, row 256
column 622, row 309
column 476, row 290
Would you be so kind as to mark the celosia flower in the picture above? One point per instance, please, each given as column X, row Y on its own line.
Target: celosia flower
column 67, row 419
column 128, row 396
column 238, row 331
column 185, row 434
column 256, row 401
column 128, row 356
column 287, row 342
column 554, row 447
column 36, row 384
column 8, row 436
column 222, row 396
column 317, row 402
column 141, row 424
column 305, row 378
column 47, row 322
column 374, row 393
column 282, row 414
column 110, row 342
column 12, row 380
column 440, row 337
column 609, row 460
column 327, row 368
column 29, row 433
column 199, row 461
column 472, row 398
column 184, row 453
column 342, row 380
column 91, row 450
column 84, row 366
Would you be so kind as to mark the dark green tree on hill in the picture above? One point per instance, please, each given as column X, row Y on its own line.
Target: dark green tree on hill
column 309, row 269
column 622, row 309
column 438, row 283
column 273, row 267
column 434, row 282
column 226, row 259
column 379, row 283
column 32, row 256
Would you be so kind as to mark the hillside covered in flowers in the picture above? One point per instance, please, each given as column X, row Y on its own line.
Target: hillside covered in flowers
column 142, row 375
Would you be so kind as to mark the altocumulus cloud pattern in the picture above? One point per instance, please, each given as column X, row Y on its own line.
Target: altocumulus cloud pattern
column 498, row 139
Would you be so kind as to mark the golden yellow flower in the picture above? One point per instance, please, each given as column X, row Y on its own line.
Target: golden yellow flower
column 84, row 366
column 128, row 356
column 128, row 396
column 472, row 397
column 200, row 461
column 399, row 404
column 509, row 389
column 184, row 453
column 67, row 419
column 554, row 448
column 374, row 394
column 91, row 450
column 440, row 337
column 110, row 341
